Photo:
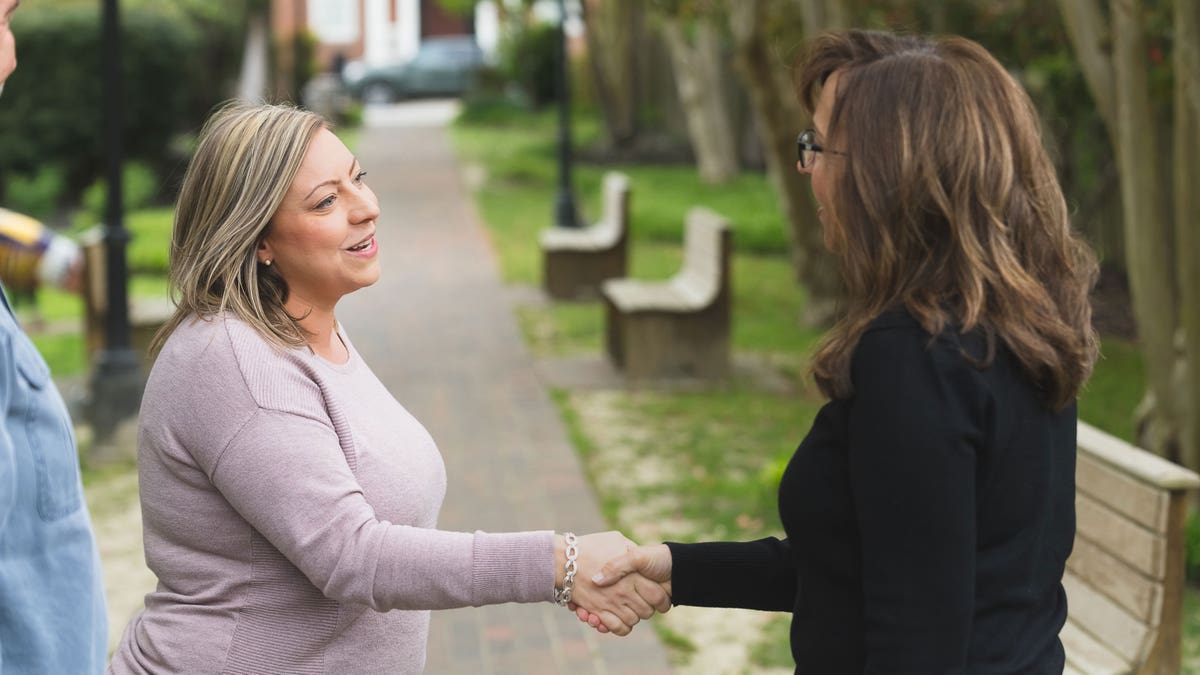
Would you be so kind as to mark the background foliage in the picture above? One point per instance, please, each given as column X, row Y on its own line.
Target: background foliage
column 176, row 65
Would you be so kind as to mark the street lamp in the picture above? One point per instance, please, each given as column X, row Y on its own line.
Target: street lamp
column 565, row 214
column 116, row 383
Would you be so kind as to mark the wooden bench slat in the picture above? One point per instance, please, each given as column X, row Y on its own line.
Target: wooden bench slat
column 606, row 231
column 1120, row 536
column 1105, row 620
column 597, row 237
column 1087, row 655
column 1135, row 461
column 1138, row 594
column 614, row 204
column 1124, row 576
column 696, row 285
column 702, row 245
column 632, row 295
column 678, row 328
column 1141, row 501
column 575, row 261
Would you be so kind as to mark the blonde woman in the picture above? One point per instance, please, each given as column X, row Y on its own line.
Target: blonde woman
column 289, row 502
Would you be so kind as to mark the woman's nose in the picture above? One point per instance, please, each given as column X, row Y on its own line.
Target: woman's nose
column 367, row 207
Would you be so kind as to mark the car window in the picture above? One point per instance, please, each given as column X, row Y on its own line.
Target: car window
column 435, row 58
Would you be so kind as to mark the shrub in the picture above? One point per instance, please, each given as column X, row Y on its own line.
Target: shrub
column 294, row 63
column 36, row 194
column 150, row 246
column 351, row 117
column 139, row 185
column 528, row 58
column 52, row 111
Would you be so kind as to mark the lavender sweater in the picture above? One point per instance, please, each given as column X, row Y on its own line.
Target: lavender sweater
column 288, row 506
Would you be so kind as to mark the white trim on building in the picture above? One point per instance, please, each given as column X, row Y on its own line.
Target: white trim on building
column 333, row 21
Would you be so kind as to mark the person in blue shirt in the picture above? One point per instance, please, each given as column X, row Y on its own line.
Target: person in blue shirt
column 53, row 618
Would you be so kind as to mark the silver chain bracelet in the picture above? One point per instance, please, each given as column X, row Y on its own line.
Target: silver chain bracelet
column 562, row 596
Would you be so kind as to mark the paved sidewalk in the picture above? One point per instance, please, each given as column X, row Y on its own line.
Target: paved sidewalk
column 439, row 331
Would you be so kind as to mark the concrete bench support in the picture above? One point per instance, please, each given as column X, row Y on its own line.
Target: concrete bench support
column 576, row 262
column 680, row 327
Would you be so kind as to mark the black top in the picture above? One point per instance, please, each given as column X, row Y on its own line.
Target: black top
column 928, row 517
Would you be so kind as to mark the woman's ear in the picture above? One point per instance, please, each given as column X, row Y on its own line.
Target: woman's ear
column 264, row 254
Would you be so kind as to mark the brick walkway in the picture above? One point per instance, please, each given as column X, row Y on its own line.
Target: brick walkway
column 439, row 331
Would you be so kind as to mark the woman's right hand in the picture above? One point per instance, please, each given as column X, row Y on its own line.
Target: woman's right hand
column 622, row 603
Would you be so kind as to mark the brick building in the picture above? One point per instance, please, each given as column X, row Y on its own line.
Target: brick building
column 374, row 31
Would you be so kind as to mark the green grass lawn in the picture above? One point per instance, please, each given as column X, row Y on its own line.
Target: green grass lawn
column 727, row 447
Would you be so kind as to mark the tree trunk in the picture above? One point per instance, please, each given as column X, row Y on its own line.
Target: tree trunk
column 1089, row 35
column 1148, row 240
column 252, row 82
column 1187, row 219
column 822, row 15
column 698, row 80
column 614, row 34
column 1087, row 29
column 779, row 115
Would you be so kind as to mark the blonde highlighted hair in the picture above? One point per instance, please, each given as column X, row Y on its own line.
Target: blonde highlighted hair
column 245, row 161
column 947, row 205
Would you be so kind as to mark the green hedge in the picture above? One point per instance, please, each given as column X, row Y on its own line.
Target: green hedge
column 528, row 58
column 51, row 113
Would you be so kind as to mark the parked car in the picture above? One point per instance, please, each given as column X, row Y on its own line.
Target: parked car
column 442, row 66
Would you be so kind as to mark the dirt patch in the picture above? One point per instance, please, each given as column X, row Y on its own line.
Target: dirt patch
column 623, row 475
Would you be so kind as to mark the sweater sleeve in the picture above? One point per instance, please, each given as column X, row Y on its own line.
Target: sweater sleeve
column 287, row 476
column 752, row 575
column 912, row 437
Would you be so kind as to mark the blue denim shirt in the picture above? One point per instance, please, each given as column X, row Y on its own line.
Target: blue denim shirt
column 53, row 618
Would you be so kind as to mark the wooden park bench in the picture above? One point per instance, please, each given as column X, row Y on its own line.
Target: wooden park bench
column 576, row 261
column 680, row 327
column 146, row 315
column 1125, row 576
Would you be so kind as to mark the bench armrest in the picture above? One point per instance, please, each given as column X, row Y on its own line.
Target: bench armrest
column 1143, row 465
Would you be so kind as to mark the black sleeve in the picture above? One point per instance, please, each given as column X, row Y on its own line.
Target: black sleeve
column 752, row 575
column 913, row 434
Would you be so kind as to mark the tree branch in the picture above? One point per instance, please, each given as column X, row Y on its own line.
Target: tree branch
column 1089, row 33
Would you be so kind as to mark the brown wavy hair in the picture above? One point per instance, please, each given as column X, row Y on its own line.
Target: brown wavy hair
column 947, row 205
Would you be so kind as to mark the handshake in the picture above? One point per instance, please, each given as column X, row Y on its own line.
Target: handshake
column 617, row 583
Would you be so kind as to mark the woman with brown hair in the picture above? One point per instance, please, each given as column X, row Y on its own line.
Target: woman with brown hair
column 930, row 509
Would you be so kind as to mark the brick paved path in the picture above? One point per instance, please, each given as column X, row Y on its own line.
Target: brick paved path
column 438, row 330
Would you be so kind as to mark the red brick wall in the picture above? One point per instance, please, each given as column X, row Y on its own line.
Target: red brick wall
column 437, row 21
column 286, row 15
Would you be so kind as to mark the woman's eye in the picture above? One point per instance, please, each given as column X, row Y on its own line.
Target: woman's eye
column 358, row 178
column 326, row 203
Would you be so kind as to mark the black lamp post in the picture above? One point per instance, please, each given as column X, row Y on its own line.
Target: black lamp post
column 565, row 214
column 116, row 384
